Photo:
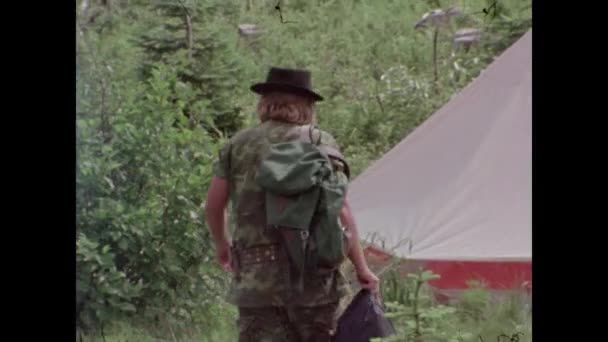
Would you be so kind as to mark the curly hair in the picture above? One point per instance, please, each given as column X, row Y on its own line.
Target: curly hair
column 286, row 107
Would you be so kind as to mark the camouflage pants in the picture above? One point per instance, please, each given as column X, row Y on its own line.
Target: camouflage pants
column 279, row 324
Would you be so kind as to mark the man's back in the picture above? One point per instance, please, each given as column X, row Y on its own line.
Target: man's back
column 262, row 276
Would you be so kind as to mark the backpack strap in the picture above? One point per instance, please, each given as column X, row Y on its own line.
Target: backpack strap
column 311, row 129
column 329, row 150
column 335, row 154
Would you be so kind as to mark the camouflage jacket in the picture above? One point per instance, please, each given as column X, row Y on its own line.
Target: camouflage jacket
column 266, row 284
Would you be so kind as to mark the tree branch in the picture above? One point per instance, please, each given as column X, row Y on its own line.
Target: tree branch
column 189, row 37
column 435, row 71
column 84, row 8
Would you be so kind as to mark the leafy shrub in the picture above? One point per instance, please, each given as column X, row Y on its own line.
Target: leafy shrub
column 142, row 243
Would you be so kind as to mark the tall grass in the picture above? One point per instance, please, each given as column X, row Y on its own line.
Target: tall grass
column 475, row 316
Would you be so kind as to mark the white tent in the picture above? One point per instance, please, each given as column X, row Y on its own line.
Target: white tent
column 458, row 189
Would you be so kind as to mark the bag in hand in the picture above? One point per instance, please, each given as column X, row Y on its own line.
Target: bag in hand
column 362, row 320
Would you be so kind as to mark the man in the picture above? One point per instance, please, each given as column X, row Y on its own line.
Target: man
column 269, row 309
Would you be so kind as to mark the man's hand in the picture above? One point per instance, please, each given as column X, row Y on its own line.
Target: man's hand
column 369, row 280
column 224, row 256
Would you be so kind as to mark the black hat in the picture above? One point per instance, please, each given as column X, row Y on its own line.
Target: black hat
column 287, row 80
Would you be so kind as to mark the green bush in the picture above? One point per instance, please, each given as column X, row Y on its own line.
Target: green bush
column 142, row 243
column 477, row 316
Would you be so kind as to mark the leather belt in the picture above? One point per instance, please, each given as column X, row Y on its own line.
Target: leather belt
column 258, row 254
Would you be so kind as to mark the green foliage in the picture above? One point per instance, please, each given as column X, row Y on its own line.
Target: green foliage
column 190, row 38
column 474, row 302
column 142, row 243
column 374, row 69
column 477, row 315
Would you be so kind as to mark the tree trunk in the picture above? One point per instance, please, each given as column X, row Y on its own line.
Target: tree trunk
column 435, row 69
column 189, row 35
column 84, row 8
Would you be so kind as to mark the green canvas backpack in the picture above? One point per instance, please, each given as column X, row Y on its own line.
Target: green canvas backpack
column 304, row 198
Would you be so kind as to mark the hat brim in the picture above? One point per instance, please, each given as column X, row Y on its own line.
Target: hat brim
column 264, row 88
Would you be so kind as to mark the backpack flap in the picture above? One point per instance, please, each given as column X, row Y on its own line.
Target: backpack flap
column 294, row 212
column 291, row 168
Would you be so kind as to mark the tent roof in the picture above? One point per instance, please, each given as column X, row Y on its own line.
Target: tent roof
column 459, row 186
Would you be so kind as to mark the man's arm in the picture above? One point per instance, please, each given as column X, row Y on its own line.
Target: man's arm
column 217, row 219
column 355, row 253
column 366, row 277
